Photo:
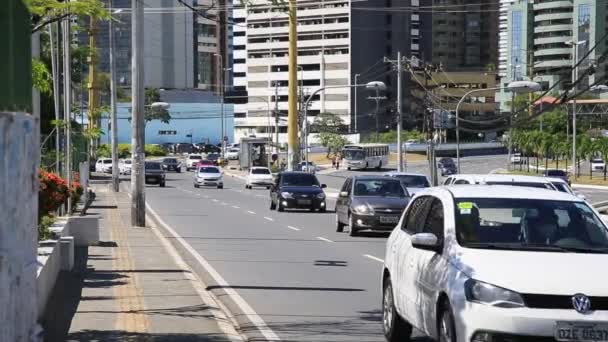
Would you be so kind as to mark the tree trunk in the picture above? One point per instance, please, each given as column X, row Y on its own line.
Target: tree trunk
column 528, row 163
column 557, row 163
column 590, row 170
column 546, row 162
column 537, row 160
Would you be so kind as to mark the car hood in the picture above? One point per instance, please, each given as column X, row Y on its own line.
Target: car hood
column 531, row 272
column 396, row 203
column 413, row 191
column 302, row 189
column 208, row 175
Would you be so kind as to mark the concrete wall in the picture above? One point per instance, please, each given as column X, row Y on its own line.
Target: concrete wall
column 19, row 155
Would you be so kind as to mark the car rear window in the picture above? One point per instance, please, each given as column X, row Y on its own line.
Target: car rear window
column 107, row 161
column 170, row 160
column 195, row 157
column 153, row 166
column 260, row 171
column 556, row 173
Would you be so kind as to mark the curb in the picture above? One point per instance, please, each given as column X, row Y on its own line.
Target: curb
column 592, row 187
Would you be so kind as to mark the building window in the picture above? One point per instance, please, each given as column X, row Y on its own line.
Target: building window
column 240, row 115
column 240, row 74
column 516, row 44
column 239, row 61
column 239, row 33
column 238, row 47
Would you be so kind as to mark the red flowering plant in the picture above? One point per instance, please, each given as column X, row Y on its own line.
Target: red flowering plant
column 53, row 193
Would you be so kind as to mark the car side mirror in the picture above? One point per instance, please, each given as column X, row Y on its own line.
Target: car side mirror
column 426, row 241
column 323, row 186
column 343, row 194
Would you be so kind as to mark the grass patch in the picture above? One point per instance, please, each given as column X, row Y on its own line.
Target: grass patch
column 585, row 180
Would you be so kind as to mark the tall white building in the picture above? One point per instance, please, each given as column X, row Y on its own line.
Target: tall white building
column 336, row 40
column 503, row 36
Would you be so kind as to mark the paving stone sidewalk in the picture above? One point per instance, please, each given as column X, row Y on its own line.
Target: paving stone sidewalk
column 129, row 288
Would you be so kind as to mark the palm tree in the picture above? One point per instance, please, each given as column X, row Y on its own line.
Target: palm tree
column 601, row 145
column 526, row 146
column 584, row 150
column 548, row 148
column 537, row 146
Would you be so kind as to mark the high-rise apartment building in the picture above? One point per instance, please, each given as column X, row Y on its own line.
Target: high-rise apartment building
column 460, row 35
column 539, row 33
column 503, row 36
column 337, row 39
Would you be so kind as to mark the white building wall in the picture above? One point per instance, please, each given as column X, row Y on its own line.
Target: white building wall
column 503, row 36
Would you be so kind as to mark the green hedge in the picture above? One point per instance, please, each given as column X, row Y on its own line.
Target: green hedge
column 124, row 151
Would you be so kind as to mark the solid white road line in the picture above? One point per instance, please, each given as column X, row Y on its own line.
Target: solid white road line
column 373, row 258
column 253, row 316
column 323, row 239
column 293, row 228
column 236, row 207
column 268, row 218
column 251, row 212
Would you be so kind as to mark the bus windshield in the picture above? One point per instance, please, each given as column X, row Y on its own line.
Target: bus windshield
column 354, row 154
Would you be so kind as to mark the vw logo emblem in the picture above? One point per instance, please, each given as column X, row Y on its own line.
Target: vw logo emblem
column 581, row 303
column 389, row 211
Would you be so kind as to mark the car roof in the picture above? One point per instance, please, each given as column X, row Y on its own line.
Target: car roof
column 296, row 173
column 364, row 177
column 556, row 180
column 499, row 191
column 259, row 168
column 474, row 178
column 396, row 173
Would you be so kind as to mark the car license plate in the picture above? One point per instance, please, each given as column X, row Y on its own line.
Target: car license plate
column 389, row 219
column 150, row 179
column 305, row 201
column 581, row 331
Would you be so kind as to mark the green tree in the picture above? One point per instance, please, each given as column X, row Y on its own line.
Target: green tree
column 601, row 145
column 333, row 142
column 44, row 12
column 328, row 125
column 155, row 113
column 584, row 150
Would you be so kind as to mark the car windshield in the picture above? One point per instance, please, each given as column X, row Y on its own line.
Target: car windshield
column 260, row 172
column 561, row 187
column 354, row 154
column 299, row 179
column 107, row 161
column 525, row 184
column 127, row 161
column 413, row 181
column 153, row 166
column 555, row 173
column 446, row 161
column 233, row 150
column 600, row 161
column 213, row 156
column 170, row 160
column 529, row 224
column 379, row 187
column 208, row 170
column 195, row 157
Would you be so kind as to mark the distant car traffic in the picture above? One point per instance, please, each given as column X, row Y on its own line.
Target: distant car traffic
column 208, row 176
column 213, row 157
column 411, row 142
column 501, row 179
column 154, row 173
column 192, row 160
column 309, row 167
column 172, row 164
column 486, row 263
column 297, row 190
column 370, row 203
column 516, row 158
column 233, row 154
column 598, row 164
column 413, row 182
column 125, row 166
column 259, row 176
column 563, row 186
column 556, row 173
column 447, row 166
column 103, row 165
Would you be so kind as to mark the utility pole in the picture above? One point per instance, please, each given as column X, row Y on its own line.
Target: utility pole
column 138, row 196
column 113, row 119
column 293, row 152
column 399, row 69
column 56, row 97
column 93, row 84
column 222, row 77
column 67, row 90
column 355, row 116
column 276, row 116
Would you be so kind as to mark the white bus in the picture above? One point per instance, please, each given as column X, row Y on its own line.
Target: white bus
column 363, row 156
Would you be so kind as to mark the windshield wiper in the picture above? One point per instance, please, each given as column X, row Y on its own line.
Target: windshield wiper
column 598, row 250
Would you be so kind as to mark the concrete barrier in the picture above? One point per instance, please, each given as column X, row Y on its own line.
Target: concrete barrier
column 49, row 265
column 85, row 230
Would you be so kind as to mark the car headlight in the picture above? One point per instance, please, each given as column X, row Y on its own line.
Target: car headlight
column 363, row 209
column 484, row 293
column 321, row 195
column 286, row 194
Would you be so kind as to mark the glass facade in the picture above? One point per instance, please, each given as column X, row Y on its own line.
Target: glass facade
column 517, row 49
column 584, row 34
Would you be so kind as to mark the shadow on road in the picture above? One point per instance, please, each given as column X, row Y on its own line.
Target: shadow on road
column 125, row 336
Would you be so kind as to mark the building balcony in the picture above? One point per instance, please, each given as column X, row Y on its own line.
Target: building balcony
column 553, row 28
column 551, row 52
column 558, row 63
column 552, row 4
column 550, row 40
column 552, row 16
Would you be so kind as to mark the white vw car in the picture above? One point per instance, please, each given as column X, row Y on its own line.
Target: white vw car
column 496, row 263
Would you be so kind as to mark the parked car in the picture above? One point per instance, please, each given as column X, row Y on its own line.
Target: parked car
column 411, row 142
column 447, row 166
column 486, row 263
column 259, row 176
column 598, row 164
column 309, row 167
column 297, row 190
column 209, row 148
column 124, row 166
column 516, row 158
column 563, row 186
column 192, row 161
column 183, row 148
column 556, row 173
column 501, row 179
column 370, row 203
column 233, row 153
column 155, row 174
column 413, row 182
column 103, row 165
column 209, row 176
column 172, row 164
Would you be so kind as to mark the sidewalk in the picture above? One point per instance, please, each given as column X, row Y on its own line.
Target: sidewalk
column 131, row 287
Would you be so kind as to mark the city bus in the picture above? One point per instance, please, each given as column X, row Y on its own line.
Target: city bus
column 363, row 156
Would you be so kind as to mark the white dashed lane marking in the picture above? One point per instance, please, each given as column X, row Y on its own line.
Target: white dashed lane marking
column 268, row 218
column 293, row 228
column 251, row 212
column 373, row 258
column 323, row 239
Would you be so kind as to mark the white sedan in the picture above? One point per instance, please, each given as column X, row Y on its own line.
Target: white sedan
column 259, row 176
column 233, row 154
column 208, row 176
column 125, row 166
column 496, row 263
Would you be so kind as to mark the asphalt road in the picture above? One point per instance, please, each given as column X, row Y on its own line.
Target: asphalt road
column 307, row 282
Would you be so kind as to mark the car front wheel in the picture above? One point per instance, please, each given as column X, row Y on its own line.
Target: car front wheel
column 339, row 225
column 446, row 328
column 395, row 328
column 352, row 230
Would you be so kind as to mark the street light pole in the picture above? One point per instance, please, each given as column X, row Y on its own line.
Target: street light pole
column 355, row 116
column 574, row 77
column 138, row 196
column 399, row 116
column 113, row 119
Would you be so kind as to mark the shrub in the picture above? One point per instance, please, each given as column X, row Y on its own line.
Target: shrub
column 43, row 227
column 52, row 194
column 154, row 151
column 76, row 192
